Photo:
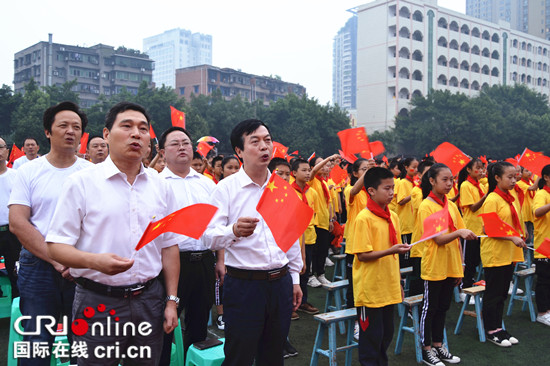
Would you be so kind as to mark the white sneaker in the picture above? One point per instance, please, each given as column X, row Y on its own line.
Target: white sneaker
column 313, row 282
column 356, row 332
column 462, row 297
column 323, row 280
column 518, row 291
column 328, row 262
column 544, row 319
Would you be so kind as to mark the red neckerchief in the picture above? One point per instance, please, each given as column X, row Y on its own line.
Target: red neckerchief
column 408, row 177
column 510, row 199
column 444, row 204
column 521, row 195
column 529, row 182
column 325, row 188
column 475, row 182
column 546, row 188
column 373, row 207
column 302, row 191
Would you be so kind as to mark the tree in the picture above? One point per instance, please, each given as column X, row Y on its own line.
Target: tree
column 63, row 93
column 8, row 104
column 28, row 117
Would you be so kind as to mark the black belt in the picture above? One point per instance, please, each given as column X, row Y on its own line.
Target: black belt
column 114, row 291
column 195, row 256
column 5, row 227
column 245, row 274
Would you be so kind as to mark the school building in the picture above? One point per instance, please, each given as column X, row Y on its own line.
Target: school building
column 409, row 47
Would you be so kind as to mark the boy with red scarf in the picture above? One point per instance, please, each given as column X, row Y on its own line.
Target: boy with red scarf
column 376, row 277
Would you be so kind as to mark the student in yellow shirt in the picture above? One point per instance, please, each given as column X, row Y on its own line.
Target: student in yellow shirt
column 395, row 168
column 471, row 197
column 499, row 254
column 376, row 277
column 441, row 267
column 404, row 205
column 541, row 209
column 281, row 166
column 529, row 188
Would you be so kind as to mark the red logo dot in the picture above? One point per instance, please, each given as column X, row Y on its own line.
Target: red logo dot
column 101, row 308
column 79, row 327
column 117, row 319
column 89, row 312
column 112, row 312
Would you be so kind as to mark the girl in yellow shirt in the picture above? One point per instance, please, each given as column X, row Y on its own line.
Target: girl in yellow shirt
column 404, row 205
column 499, row 254
column 541, row 209
column 441, row 267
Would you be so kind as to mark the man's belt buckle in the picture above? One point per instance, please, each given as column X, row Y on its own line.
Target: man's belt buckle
column 274, row 275
column 195, row 257
column 134, row 291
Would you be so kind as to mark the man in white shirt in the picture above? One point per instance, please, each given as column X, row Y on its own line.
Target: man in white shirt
column 99, row 219
column 262, row 285
column 97, row 149
column 9, row 245
column 30, row 148
column 44, row 283
column 197, row 277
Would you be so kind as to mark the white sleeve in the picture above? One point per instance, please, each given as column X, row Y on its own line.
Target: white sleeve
column 219, row 233
column 295, row 263
column 21, row 190
column 69, row 212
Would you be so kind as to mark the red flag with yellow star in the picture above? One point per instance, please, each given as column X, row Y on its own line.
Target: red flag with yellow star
column 204, row 148
column 15, row 154
column 450, row 155
column 544, row 248
column 338, row 174
column 355, row 140
column 286, row 215
column 534, row 161
column 495, row 227
column 279, row 150
column 178, row 117
column 435, row 225
column 189, row 221
column 84, row 143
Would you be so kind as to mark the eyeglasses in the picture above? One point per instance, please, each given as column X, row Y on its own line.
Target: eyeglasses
column 3, row 146
column 177, row 144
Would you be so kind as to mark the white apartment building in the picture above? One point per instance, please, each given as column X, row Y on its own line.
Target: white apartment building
column 344, row 66
column 409, row 47
column 175, row 49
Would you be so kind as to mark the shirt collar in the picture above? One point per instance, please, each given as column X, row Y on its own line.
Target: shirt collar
column 167, row 173
column 245, row 180
column 110, row 169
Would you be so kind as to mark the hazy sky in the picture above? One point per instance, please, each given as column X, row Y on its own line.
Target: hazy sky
column 289, row 38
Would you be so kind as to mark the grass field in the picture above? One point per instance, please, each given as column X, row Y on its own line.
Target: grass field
column 532, row 350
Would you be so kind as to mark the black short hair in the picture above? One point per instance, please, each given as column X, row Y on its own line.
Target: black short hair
column 165, row 134
column 30, row 138
column 297, row 162
column 216, row 159
column 196, row 155
column 50, row 113
column 545, row 171
column 93, row 137
column 275, row 162
column 227, row 159
column 123, row 107
column 243, row 129
column 373, row 177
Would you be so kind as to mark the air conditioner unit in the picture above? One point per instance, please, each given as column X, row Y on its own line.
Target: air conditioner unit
column 55, row 73
column 62, row 48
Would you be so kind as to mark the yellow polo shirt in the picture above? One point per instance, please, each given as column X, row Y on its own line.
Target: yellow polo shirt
column 542, row 224
column 359, row 203
column 469, row 195
column 405, row 212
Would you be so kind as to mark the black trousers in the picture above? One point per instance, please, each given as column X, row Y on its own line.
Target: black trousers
column 320, row 251
column 9, row 249
column 257, row 320
column 305, row 277
column 497, row 281
column 350, row 302
column 542, row 288
column 196, row 292
column 376, row 338
column 416, row 283
column 437, row 300
column 472, row 259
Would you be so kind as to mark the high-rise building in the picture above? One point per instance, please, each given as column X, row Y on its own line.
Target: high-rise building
column 99, row 69
column 344, row 66
column 205, row 79
column 409, row 47
column 175, row 49
column 529, row 16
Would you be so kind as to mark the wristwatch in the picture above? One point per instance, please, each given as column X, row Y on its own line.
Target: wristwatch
column 174, row 299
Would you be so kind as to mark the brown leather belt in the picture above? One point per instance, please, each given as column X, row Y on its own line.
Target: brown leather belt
column 246, row 274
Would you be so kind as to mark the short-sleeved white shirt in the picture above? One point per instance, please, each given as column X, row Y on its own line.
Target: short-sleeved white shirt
column 38, row 185
column 100, row 212
column 6, row 183
column 20, row 161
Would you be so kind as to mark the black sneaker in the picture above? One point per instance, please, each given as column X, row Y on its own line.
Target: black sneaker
column 429, row 357
column 510, row 337
column 499, row 338
column 444, row 355
column 290, row 350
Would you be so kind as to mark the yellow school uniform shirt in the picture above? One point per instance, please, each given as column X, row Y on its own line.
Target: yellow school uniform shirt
column 321, row 205
column 376, row 283
column 469, row 195
column 291, row 179
column 359, row 203
column 440, row 261
column 309, row 235
column 541, row 224
column 347, row 189
column 405, row 212
column 393, row 204
column 499, row 252
column 527, row 208
column 334, row 197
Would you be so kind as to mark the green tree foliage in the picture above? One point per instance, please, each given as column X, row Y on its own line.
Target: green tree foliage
column 8, row 104
column 28, row 117
column 62, row 93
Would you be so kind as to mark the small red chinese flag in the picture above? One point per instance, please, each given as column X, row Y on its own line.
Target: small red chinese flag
column 377, row 147
column 534, row 161
column 435, row 224
column 286, row 215
column 294, row 153
column 495, row 227
column 152, row 132
column 450, row 155
column 189, row 221
column 512, row 161
column 354, row 140
column 311, row 157
column 338, row 174
column 279, row 150
column 178, row 117
column 204, row 148
column 349, row 158
column 338, row 232
column 544, row 248
column 84, row 143
column 15, row 154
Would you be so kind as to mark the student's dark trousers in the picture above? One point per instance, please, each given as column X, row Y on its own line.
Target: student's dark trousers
column 542, row 289
column 437, row 300
column 472, row 259
column 320, row 252
column 376, row 338
column 497, row 283
column 350, row 302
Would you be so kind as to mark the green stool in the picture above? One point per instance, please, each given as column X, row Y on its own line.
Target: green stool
column 176, row 358
column 213, row 356
column 5, row 300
